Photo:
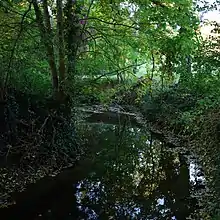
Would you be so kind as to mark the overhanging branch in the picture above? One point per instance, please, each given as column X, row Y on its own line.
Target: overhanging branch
column 111, row 23
column 119, row 70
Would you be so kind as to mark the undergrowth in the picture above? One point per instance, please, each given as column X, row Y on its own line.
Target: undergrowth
column 205, row 131
column 37, row 138
column 194, row 115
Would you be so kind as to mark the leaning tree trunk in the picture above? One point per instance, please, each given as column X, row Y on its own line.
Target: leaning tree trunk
column 46, row 36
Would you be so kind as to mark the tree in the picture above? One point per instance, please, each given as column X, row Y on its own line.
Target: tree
column 107, row 38
column 46, row 35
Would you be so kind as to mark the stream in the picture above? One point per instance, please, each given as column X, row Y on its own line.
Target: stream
column 131, row 175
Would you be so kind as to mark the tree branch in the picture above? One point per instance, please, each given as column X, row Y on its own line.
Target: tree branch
column 8, row 8
column 118, row 71
column 115, row 24
column 87, row 15
column 15, row 45
column 84, row 25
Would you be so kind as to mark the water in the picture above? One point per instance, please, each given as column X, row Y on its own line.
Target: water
column 133, row 176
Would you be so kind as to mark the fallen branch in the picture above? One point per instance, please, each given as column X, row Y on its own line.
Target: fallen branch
column 43, row 125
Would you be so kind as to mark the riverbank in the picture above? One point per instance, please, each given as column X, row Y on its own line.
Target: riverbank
column 37, row 139
column 194, row 116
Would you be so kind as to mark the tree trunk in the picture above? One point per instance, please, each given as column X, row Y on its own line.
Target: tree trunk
column 46, row 36
column 62, row 69
column 186, row 76
column 71, row 28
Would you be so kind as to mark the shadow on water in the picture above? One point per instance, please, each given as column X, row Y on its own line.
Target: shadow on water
column 133, row 176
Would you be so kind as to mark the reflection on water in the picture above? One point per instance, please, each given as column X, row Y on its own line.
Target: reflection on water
column 134, row 177
column 196, row 174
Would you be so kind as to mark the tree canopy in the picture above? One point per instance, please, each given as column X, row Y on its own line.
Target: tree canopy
column 97, row 39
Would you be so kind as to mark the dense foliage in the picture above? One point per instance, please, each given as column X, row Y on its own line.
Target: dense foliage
column 95, row 40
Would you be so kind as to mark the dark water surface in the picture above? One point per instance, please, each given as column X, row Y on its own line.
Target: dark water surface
column 133, row 176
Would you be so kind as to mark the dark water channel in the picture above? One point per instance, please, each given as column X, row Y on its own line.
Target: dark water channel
column 133, row 176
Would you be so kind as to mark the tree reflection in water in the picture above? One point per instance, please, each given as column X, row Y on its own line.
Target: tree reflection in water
column 135, row 177
column 131, row 175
